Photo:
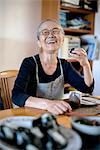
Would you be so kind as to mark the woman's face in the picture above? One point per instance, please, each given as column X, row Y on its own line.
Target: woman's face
column 51, row 37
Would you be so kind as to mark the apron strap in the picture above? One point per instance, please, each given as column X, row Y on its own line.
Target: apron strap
column 61, row 67
column 36, row 69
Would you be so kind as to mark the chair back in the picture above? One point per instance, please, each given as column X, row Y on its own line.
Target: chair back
column 7, row 79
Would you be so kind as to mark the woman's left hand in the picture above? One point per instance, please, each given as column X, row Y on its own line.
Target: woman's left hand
column 81, row 56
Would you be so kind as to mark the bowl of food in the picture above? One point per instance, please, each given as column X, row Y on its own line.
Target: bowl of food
column 89, row 125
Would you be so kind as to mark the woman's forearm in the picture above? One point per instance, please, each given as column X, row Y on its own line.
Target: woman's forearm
column 36, row 102
column 53, row 106
column 88, row 78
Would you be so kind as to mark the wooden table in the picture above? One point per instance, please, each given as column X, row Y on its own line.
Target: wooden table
column 62, row 119
column 27, row 111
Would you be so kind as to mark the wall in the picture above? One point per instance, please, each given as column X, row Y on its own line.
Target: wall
column 18, row 25
column 96, row 63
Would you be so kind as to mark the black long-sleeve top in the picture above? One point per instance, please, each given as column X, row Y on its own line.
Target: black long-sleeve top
column 26, row 84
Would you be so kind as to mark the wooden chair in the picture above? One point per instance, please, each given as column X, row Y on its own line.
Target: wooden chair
column 7, row 79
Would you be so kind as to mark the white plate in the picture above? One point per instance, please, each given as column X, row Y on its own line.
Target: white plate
column 90, row 101
column 74, row 140
column 87, row 129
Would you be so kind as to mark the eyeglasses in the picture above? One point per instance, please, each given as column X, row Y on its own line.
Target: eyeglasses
column 54, row 31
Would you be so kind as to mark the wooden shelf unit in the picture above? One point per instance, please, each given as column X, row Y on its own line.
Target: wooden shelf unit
column 51, row 10
column 71, row 31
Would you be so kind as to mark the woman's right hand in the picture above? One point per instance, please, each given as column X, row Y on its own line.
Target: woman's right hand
column 58, row 106
column 54, row 106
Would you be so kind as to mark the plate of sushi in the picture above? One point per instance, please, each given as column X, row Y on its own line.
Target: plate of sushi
column 43, row 133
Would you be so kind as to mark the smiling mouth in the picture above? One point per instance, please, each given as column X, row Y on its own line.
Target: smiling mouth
column 51, row 42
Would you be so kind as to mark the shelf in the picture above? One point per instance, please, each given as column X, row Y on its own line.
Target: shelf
column 79, row 31
column 76, row 10
column 82, row 13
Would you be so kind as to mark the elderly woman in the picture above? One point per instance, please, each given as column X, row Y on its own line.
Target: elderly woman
column 41, row 78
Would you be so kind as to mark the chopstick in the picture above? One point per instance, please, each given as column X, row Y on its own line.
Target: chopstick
column 81, row 114
column 75, row 114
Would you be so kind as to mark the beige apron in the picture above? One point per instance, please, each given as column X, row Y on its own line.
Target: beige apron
column 51, row 90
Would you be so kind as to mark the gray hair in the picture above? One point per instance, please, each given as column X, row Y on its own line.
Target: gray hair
column 47, row 20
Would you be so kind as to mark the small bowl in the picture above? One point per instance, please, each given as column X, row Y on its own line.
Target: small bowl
column 84, row 128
